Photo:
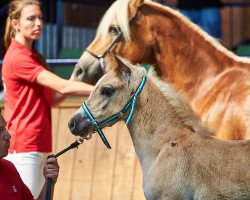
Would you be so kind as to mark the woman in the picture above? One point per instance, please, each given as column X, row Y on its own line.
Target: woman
column 30, row 91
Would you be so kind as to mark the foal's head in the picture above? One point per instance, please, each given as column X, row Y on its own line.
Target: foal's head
column 109, row 96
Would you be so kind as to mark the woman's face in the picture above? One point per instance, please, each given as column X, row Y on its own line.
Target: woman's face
column 30, row 24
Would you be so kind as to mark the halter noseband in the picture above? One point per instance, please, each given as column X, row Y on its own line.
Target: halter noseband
column 100, row 58
column 116, row 117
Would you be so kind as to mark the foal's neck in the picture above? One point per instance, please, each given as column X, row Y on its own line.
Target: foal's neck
column 155, row 124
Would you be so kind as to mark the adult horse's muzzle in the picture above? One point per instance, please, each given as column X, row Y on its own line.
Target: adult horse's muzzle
column 87, row 74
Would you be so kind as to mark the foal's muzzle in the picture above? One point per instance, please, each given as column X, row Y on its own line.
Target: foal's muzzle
column 80, row 126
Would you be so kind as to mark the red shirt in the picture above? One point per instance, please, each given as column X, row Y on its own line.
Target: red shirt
column 11, row 184
column 27, row 104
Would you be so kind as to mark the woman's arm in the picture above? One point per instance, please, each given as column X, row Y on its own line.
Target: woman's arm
column 61, row 86
column 57, row 98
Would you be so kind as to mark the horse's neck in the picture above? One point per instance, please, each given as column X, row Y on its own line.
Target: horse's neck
column 155, row 124
column 184, row 57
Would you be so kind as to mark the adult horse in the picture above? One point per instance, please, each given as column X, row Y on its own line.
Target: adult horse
column 215, row 80
column 179, row 159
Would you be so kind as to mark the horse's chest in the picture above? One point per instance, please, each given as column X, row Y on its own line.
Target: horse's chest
column 156, row 194
column 166, row 187
column 150, row 193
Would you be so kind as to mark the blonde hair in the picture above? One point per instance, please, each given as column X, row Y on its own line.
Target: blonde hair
column 15, row 9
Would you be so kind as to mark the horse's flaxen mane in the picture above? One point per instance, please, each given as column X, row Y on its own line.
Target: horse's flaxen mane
column 118, row 14
column 195, row 28
column 180, row 104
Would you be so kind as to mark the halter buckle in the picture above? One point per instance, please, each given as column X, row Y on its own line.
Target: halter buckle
column 102, row 63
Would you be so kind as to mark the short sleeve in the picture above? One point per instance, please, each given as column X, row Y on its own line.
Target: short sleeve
column 11, row 174
column 26, row 194
column 26, row 67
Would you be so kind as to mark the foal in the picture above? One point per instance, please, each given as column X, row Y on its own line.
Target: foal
column 179, row 159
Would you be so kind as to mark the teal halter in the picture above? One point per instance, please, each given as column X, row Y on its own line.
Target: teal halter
column 116, row 117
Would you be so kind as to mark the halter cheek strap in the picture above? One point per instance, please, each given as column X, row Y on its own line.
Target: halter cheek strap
column 100, row 58
column 116, row 117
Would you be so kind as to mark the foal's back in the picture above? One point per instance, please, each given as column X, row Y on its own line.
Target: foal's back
column 216, row 169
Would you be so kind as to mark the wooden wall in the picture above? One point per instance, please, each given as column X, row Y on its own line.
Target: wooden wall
column 93, row 172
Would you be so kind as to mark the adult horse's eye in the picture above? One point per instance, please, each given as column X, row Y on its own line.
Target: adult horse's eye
column 107, row 91
column 114, row 30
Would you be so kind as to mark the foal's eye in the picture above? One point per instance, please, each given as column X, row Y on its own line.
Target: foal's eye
column 114, row 30
column 107, row 91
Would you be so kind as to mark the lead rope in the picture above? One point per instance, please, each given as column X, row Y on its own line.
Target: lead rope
column 50, row 182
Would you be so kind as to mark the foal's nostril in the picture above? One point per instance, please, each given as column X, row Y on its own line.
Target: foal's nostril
column 71, row 125
column 78, row 71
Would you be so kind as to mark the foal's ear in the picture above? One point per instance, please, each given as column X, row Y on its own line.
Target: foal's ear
column 122, row 67
column 110, row 61
column 116, row 64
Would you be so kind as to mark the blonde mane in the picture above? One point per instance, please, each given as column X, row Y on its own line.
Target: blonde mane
column 197, row 29
column 180, row 104
column 118, row 15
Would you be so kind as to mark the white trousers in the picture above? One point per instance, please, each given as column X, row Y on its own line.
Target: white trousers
column 30, row 167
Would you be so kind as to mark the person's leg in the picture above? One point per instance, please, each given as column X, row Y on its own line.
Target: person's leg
column 30, row 167
column 211, row 21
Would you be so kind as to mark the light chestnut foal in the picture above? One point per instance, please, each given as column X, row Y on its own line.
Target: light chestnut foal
column 179, row 158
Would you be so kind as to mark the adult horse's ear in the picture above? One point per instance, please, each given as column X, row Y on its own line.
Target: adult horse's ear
column 136, row 3
column 133, row 7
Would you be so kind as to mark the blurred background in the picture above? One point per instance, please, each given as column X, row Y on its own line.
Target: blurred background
column 70, row 25
column 93, row 172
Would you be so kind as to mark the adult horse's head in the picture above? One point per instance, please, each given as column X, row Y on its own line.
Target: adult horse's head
column 114, row 33
column 111, row 100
